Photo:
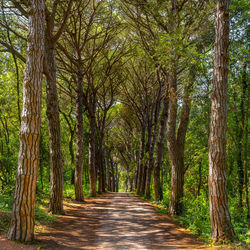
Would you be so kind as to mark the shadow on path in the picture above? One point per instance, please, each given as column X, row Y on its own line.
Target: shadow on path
column 116, row 221
column 111, row 221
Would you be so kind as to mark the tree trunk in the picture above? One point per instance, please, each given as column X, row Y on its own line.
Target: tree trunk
column 92, row 160
column 56, row 166
column 103, row 176
column 72, row 157
column 79, row 141
column 129, row 182
column 176, row 144
column 152, row 146
column 135, row 176
column 177, row 178
column 117, row 178
column 144, row 167
column 99, row 158
column 159, row 152
column 113, row 174
column 140, row 164
column 71, row 148
column 22, row 218
column 108, row 181
column 221, row 226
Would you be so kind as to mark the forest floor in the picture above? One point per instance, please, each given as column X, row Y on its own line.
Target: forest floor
column 111, row 221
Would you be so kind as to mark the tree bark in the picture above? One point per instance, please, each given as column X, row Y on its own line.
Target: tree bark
column 142, row 151
column 92, row 156
column 99, row 159
column 72, row 130
column 147, row 150
column 159, row 152
column 113, row 174
column 102, row 179
column 99, row 166
column 152, row 146
column 221, row 226
column 79, row 141
column 176, row 144
column 135, row 176
column 108, row 180
column 22, row 219
column 117, row 178
column 56, row 165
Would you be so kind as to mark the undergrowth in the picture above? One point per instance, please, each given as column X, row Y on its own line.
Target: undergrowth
column 42, row 217
column 196, row 216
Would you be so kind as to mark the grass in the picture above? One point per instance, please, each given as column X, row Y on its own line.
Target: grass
column 5, row 211
column 196, row 219
column 42, row 217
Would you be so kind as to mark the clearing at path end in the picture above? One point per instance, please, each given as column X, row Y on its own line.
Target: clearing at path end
column 115, row 221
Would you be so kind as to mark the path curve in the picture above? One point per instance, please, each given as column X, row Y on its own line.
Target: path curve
column 115, row 221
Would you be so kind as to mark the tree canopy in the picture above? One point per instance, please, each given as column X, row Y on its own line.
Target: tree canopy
column 136, row 96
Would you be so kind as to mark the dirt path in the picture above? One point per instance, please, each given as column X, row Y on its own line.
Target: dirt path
column 113, row 221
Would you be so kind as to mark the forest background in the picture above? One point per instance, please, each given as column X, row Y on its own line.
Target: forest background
column 113, row 57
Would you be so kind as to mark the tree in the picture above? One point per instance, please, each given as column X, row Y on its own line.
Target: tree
column 221, row 225
column 159, row 151
column 22, row 219
column 56, row 164
column 51, row 37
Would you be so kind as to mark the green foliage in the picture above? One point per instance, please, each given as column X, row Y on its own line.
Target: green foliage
column 69, row 191
column 42, row 217
column 158, row 41
column 239, row 219
column 5, row 203
column 196, row 216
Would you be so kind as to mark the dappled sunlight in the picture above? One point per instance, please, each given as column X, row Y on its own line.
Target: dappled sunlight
column 116, row 221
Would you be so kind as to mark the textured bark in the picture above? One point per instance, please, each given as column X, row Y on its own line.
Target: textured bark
column 56, row 165
column 72, row 131
column 176, row 144
column 177, row 177
column 113, row 174
column 99, row 161
column 116, row 178
column 147, row 149
column 152, row 146
column 100, row 168
column 100, row 158
column 108, row 180
column 142, row 151
column 92, row 155
column 159, row 152
column 79, row 141
column 103, row 175
column 22, row 219
column 221, row 226
column 135, row 176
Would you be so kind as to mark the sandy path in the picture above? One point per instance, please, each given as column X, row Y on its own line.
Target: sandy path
column 113, row 221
